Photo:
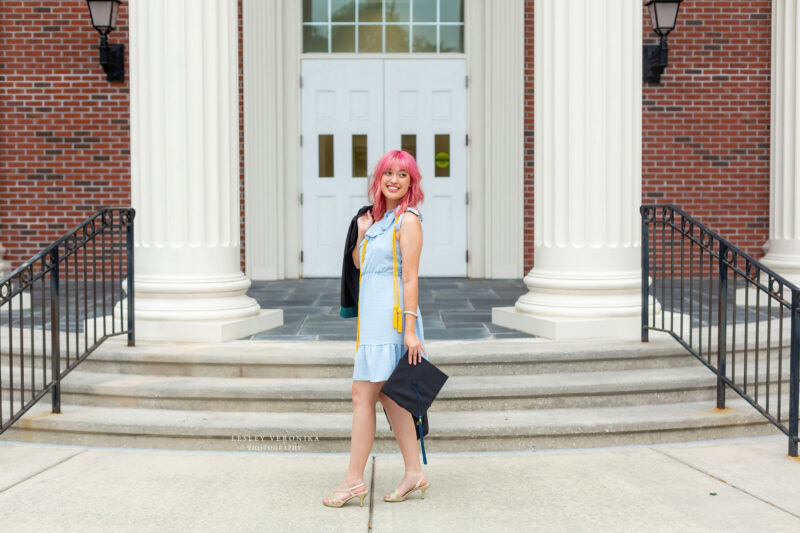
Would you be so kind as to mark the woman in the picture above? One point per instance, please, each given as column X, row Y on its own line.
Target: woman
column 389, row 322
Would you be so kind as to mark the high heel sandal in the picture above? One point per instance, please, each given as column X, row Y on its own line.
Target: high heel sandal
column 334, row 502
column 395, row 496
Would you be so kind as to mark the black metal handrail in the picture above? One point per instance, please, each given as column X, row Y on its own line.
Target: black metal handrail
column 721, row 267
column 55, row 297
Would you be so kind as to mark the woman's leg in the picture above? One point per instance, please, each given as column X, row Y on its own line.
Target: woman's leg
column 406, row 435
column 365, row 396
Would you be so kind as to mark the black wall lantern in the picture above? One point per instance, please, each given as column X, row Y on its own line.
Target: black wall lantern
column 104, row 20
column 663, row 15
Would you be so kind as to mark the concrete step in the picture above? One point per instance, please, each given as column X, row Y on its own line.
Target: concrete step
column 534, row 391
column 509, row 394
column 328, row 359
column 330, row 432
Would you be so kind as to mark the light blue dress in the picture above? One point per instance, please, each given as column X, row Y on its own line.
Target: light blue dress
column 381, row 346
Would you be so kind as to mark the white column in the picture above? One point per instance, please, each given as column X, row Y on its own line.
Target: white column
column 588, row 112
column 185, row 173
column 783, row 246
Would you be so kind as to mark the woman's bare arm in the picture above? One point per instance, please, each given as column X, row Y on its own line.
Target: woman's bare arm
column 411, row 248
column 364, row 223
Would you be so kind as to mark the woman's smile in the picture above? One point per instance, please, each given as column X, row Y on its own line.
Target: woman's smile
column 395, row 183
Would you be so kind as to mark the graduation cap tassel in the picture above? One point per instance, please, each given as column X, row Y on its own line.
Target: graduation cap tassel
column 419, row 426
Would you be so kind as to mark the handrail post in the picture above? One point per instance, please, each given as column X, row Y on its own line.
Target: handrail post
column 55, row 329
column 722, row 324
column 645, row 273
column 129, row 243
column 794, row 374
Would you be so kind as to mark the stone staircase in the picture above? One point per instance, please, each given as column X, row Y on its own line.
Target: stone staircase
column 501, row 395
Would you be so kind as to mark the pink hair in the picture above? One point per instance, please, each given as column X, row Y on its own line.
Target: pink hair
column 413, row 196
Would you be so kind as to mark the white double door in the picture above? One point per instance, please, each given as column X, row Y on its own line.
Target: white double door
column 354, row 111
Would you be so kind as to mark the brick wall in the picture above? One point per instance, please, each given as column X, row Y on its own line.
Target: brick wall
column 241, row 142
column 527, row 219
column 64, row 129
column 705, row 127
column 65, row 147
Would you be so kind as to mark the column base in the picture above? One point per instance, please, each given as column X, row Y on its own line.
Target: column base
column 785, row 265
column 563, row 328
column 211, row 331
column 578, row 305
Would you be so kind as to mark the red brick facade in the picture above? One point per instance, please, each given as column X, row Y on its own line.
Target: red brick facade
column 528, row 179
column 64, row 150
column 65, row 146
column 705, row 127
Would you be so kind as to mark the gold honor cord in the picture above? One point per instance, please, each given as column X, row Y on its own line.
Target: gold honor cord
column 397, row 313
column 358, row 320
column 397, row 316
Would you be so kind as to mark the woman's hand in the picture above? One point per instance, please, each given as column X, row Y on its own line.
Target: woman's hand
column 415, row 349
column 365, row 221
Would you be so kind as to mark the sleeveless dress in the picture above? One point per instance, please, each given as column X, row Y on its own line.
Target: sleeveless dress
column 380, row 346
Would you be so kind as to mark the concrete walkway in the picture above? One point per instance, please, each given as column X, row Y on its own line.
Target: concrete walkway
column 734, row 485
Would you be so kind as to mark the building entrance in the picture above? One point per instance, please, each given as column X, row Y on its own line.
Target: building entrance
column 353, row 111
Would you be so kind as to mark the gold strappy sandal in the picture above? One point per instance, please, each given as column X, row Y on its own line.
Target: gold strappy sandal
column 335, row 502
column 395, row 496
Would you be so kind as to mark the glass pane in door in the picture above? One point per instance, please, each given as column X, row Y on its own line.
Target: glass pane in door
column 343, row 10
column 451, row 39
column 408, row 143
column 424, row 38
column 442, row 157
column 451, row 10
column 343, row 38
column 315, row 39
column 370, row 10
column 359, row 156
column 315, row 10
column 370, row 38
column 397, row 38
column 424, row 11
column 326, row 156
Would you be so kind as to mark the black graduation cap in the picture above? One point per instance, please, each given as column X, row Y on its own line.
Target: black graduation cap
column 414, row 388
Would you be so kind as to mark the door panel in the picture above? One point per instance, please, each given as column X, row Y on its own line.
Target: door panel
column 340, row 99
column 417, row 105
column 427, row 98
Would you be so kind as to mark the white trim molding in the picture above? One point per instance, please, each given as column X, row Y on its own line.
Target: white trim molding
column 271, row 40
column 495, row 48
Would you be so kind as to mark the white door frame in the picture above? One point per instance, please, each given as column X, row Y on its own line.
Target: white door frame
column 494, row 49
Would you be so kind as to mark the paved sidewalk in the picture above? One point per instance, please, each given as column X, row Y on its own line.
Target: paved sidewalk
column 733, row 485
